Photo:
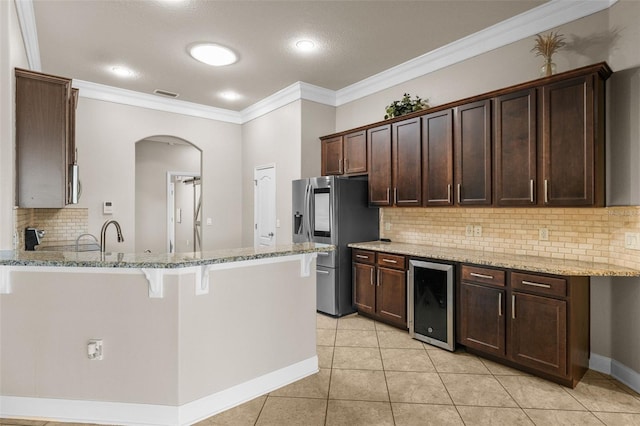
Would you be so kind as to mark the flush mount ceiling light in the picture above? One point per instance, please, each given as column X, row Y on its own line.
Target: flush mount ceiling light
column 213, row 54
column 305, row 45
column 121, row 71
column 230, row 95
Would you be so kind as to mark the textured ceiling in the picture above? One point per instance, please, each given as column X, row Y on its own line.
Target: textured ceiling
column 82, row 39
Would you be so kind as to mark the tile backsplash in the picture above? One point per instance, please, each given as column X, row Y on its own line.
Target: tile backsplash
column 59, row 224
column 586, row 234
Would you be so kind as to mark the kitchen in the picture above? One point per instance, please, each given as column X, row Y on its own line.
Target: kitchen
column 106, row 146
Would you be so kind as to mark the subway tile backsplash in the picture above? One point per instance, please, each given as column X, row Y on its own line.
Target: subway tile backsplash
column 586, row 234
column 59, row 224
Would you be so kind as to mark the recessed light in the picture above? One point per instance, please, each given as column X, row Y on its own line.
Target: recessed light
column 213, row 54
column 230, row 95
column 121, row 71
column 305, row 45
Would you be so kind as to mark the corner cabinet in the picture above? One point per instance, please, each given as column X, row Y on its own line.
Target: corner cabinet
column 379, row 286
column 46, row 164
column 535, row 322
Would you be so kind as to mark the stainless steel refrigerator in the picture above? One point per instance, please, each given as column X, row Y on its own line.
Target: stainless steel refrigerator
column 333, row 210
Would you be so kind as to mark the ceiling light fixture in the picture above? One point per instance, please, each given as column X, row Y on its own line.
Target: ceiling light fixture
column 213, row 54
column 121, row 71
column 230, row 95
column 305, row 45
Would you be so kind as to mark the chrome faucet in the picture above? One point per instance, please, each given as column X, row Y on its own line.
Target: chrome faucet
column 103, row 233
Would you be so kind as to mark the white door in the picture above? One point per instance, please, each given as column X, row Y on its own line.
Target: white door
column 264, row 206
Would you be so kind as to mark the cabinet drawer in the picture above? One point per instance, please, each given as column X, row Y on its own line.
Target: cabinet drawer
column 363, row 256
column 539, row 284
column 476, row 274
column 393, row 261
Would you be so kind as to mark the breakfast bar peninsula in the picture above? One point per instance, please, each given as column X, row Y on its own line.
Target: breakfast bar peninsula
column 166, row 339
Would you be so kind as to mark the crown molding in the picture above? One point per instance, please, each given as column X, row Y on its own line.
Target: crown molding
column 106, row 93
column 542, row 18
column 27, row 20
column 296, row 91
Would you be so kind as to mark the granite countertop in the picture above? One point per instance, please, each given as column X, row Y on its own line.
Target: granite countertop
column 526, row 263
column 93, row 259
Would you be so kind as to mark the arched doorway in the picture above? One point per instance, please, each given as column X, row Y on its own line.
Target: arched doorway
column 168, row 193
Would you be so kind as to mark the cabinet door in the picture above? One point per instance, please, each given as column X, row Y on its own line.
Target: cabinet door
column 482, row 318
column 538, row 336
column 473, row 153
column 568, row 143
column 332, row 156
column 437, row 158
column 364, row 287
column 391, row 296
column 379, row 164
column 42, row 139
column 355, row 153
column 407, row 163
column 515, row 148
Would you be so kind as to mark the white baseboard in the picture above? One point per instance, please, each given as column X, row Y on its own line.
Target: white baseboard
column 121, row 413
column 616, row 370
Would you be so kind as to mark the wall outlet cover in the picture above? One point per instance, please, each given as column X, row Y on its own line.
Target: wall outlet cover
column 477, row 231
column 543, row 234
column 468, row 231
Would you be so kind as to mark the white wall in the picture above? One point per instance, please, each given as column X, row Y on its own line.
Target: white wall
column 106, row 134
column 12, row 54
column 273, row 138
column 317, row 120
column 153, row 161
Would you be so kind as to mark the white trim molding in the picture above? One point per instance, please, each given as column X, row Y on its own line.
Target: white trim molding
column 102, row 412
column 615, row 369
column 546, row 16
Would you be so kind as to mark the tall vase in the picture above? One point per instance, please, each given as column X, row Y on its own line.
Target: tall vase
column 549, row 68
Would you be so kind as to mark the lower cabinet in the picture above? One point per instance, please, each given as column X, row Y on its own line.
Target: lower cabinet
column 535, row 322
column 380, row 286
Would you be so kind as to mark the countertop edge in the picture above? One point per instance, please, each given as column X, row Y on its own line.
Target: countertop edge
column 498, row 260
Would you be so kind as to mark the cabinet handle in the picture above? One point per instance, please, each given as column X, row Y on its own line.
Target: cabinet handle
column 378, row 280
column 535, row 284
column 323, row 253
column 362, row 256
column 531, row 185
column 346, row 165
column 488, row 277
column 388, row 195
column 546, row 191
column 395, row 195
column 371, row 276
column 459, row 191
column 513, row 306
column 389, row 261
column 499, row 304
column 340, row 166
column 318, row 271
column 449, row 193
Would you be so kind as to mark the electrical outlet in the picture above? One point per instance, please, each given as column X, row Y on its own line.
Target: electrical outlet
column 387, row 226
column 94, row 349
column 477, row 231
column 468, row 231
column 632, row 240
column 543, row 234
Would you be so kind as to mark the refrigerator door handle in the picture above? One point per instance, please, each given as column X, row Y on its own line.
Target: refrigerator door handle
column 307, row 206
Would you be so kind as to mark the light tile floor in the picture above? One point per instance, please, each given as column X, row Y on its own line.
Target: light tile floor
column 372, row 374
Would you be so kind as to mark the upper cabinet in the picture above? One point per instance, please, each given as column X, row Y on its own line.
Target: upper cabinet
column 515, row 148
column 45, row 141
column 539, row 143
column 345, row 155
column 572, row 153
column 472, row 137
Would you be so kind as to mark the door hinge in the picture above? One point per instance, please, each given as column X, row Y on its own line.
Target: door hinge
column 255, row 226
column 255, row 182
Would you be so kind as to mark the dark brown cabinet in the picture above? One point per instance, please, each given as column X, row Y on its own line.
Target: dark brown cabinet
column 345, row 155
column 535, row 322
column 472, row 136
column 515, row 148
column 379, row 164
column 437, row 158
column 406, row 160
column 482, row 309
column 379, row 285
column 45, row 141
column 332, row 156
column 572, row 154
